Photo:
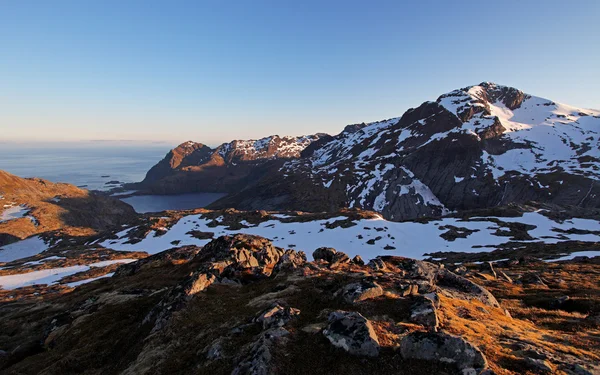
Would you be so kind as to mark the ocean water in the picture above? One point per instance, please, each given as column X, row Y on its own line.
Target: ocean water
column 92, row 166
column 156, row 203
column 89, row 166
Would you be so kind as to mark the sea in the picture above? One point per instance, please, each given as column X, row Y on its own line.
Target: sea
column 97, row 167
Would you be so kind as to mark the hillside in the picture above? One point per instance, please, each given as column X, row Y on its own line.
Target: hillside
column 36, row 206
column 240, row 305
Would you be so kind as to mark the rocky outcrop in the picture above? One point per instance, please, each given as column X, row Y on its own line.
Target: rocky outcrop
column 446, row 348
column 238, row 259
column 353, row 333
column 241, row 305
column 424, row 312
column 361, row 291
column 276, row 316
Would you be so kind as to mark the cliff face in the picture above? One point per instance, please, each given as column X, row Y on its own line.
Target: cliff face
column 43, row 206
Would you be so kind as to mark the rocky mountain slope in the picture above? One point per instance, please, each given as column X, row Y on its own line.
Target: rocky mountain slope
column 194, row 167
column 240, row 305
column 480, row 146
column 35, row 206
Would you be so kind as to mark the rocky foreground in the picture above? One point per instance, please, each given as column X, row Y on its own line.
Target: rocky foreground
column 240, row 305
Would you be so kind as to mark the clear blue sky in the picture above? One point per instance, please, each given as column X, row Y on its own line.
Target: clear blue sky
column 211, row 71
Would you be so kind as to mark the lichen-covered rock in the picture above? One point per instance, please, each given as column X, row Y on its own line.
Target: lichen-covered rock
column 424, row 312
column 449, row 279
column 291, row 259
column 443, row 347
column 259, row 359
column 276, row 316
column 361, row 291
column 352, row 332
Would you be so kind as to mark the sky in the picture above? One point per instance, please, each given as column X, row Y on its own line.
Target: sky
column 213, row 71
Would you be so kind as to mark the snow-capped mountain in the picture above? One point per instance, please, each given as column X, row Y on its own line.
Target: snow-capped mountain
column 480, row 146
column 476, row 147
column 194, row 166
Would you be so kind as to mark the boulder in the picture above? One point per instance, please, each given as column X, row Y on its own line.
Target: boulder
column 443, row 347
column 338, row 259
column 358, row 260
column 291, row 259
column 258, row 359
column 352, row 332
column 424, row 312
column 360, row 291
column 324, row 253
column 276, row 316
column 377, row 264
column 449, row 279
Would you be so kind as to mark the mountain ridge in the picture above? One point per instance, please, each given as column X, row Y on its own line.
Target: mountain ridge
column 475, row 147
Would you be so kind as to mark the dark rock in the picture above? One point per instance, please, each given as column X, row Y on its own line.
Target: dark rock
column 358, row 260
column 377, row 264
column 443, row 347
column 338, row 259
column 540, row 366
column 324, row 253
column 259, row 358
column 424, row 312
column 276, row 316
column 361, row 291
column 352, row 332
column 452, row 280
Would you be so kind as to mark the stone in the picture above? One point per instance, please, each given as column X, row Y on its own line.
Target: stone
column 352, row 332
column 276, row 316
column 557, row 303
column 198, row 283
column 424, row 312
column 459, row 270
column 377, row 264
column 443, row 347
column 358, row 260
column 361, row 291
column 324, row 253
column 462, row 284
column 259, row 358
column 291, row 260
column 540, row 366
